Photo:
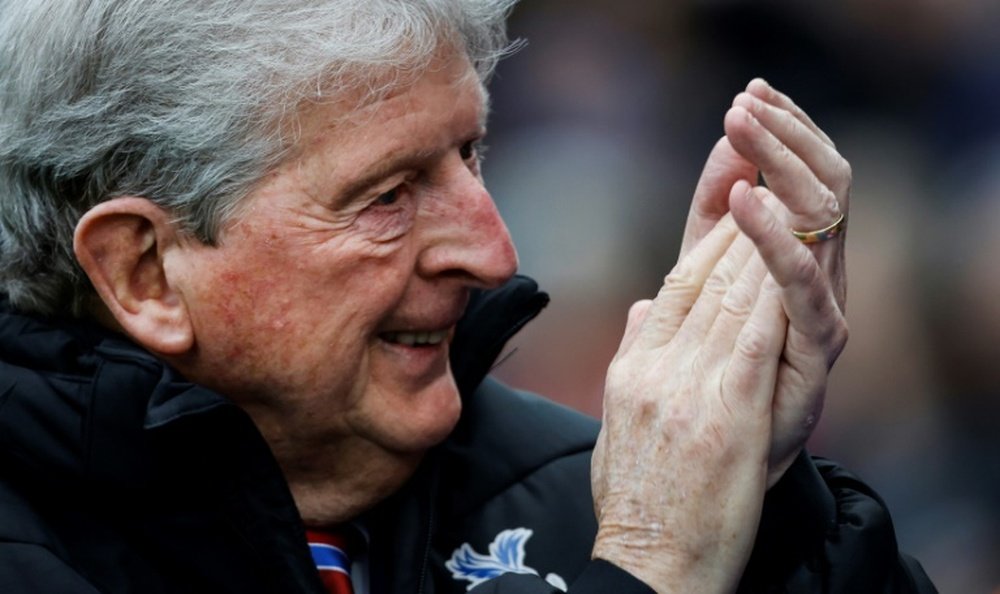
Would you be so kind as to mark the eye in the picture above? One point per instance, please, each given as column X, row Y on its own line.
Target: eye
column 388, row 198
column 467, row 151
column 472, row 150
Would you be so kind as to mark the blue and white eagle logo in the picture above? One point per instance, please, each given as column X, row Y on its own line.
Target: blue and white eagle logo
column 506, row 556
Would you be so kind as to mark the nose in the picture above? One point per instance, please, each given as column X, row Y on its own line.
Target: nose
column 465, row 237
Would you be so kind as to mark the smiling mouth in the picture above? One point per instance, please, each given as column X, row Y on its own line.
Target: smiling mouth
column 415, row 338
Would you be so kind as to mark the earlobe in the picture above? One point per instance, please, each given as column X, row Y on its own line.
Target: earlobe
column 121, row 245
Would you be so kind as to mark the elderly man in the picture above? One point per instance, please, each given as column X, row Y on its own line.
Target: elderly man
column 252, row 285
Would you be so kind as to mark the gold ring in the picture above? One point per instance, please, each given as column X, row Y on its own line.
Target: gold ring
column 822, row 234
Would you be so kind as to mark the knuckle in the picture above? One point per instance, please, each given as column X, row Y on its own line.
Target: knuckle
column 844, row 171
column 843, row 175
column 788, row 122
column 836, row 338
column 680, row 281
column 738, row 384
column 828, row 196
column 782, row 154
column 830, row 203
column 619, row 376
column 841, row 332
column 775, row 225
column 737, row 303
column 717, row 283
column 753, row 344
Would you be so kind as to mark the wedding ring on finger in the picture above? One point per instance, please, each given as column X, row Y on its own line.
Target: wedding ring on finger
column 822, row 234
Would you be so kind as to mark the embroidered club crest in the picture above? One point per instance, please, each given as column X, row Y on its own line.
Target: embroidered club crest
column 506, row 556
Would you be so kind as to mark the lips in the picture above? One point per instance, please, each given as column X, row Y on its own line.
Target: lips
column 427, row 325
column 421, row 338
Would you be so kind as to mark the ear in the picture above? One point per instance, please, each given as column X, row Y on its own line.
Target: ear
column 121, row 246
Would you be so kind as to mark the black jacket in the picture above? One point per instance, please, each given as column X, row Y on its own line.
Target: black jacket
column 117, row 476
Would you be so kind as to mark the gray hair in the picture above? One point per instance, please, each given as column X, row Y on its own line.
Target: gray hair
column 183, row 102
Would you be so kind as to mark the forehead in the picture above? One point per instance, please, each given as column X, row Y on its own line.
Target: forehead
column 443, row 106
column 446, row 78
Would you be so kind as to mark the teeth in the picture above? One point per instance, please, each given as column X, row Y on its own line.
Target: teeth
column 416, row 338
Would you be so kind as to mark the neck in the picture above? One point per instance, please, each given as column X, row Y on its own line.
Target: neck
column 338, row 481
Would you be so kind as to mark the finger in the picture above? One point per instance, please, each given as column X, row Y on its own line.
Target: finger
column 752, row 371
column 817, row 330
column 723, row 168
column 811, row 203
column 798, row 399
column 761, row 88
column 733, row 310
column 682, row 286
column 806, row 293
column 830, row 253
column 723, row 305
column 820, row 157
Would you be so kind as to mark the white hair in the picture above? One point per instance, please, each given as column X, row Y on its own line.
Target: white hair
column 182, row 102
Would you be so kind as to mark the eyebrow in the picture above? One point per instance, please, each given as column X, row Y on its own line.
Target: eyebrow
column 388, row 166
column 379, row 171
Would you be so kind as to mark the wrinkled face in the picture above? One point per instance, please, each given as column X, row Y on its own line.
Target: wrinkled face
column 328, row 306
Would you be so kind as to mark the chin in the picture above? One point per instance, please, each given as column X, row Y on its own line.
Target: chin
column 420, row 424
column 429, row 428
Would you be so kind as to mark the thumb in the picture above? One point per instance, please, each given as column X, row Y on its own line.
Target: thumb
column 723, row 168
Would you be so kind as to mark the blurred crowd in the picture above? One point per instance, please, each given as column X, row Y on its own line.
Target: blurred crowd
column 599, row 130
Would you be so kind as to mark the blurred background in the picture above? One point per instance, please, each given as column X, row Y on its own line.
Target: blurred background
column 599, row 131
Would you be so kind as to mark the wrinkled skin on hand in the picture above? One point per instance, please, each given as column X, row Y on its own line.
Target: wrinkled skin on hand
column 720, row 380
column 808, row 187
column 681, row 465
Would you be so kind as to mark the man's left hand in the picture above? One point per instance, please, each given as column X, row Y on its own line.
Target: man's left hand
column 808, row 187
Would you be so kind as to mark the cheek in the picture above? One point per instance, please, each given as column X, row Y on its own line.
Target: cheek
column 264, row 338
column 273, row 294
column 241, row 311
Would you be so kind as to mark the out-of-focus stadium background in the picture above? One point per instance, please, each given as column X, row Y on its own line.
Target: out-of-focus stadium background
column 599, row 131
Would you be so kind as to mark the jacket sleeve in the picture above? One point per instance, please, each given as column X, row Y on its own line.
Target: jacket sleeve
column 599, row 577
column 823, row 530
column 29, row 568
